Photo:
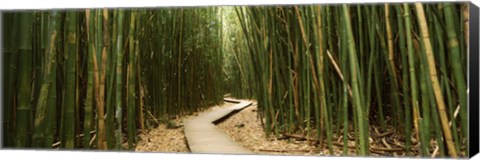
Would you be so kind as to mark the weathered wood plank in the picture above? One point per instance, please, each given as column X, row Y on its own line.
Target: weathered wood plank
column 204, row 137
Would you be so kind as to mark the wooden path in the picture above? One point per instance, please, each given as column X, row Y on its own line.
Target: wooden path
column 204, row 137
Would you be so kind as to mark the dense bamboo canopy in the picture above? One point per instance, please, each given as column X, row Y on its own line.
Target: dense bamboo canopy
column 96, row 78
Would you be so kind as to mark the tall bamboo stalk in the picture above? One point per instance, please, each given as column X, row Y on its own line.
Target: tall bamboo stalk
column 356, row 92
column 24, row 108
column 434, row 80
column 411, row 63
column 98, row 78
column 10, row 57
column 459, row 77
column 71, row 51
column 88, row 108
column 131, row 82
column 119, row 78
column 102, row 122
column 110, row 108
column 46, row 85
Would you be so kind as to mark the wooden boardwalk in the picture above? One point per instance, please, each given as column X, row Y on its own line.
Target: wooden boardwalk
column 204, row 137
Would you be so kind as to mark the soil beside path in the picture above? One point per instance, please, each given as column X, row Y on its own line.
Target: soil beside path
column 161, row 139
column 245, row 128
column 242, row 127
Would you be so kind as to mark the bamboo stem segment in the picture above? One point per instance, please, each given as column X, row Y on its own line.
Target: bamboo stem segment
column 434, row 80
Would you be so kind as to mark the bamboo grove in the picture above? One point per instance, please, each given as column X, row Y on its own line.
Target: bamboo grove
column 335, row 74
column 95, row 78
column 328, row 72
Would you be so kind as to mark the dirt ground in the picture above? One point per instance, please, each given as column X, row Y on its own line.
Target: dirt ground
column 246, row 129
column 163, row 139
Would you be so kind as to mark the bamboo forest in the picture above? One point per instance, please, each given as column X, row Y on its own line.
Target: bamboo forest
column 343, row 79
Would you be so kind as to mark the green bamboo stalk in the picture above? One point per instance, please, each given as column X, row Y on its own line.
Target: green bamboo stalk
column 451, row 113
column 356, row 92
column 455, row 60
column 179, row 66
column 361, row 42
column 71, row 51
column 441, row 54
column 78, row 93
column 390, row 41
column 424, row 122
column 411, row 63
column 24, row 108
column 131, row 82
column 10, row 59
column 371, row 69
column 391, row 71
column 99, row 78
column 119, row 78
column 46, row 84
column 319, row 34
column 138, row 60
column 345, row 121
column 405, row 72
column 110, row 108
column 89, row 105
column 102, row 124
column 51, row 107
column 434, row 80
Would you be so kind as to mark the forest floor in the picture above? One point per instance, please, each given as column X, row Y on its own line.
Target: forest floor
column 245, row 128
column 170, row 140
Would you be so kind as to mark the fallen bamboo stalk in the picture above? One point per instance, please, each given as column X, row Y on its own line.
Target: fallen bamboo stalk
column 284, row 150
column 384, row 134
column 298, row 137
column 388, row 146
column 56, row 144
column 372, row 148
column 153, row 117
column 378, row 152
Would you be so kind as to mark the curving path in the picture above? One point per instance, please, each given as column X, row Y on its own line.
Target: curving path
column 204, row 137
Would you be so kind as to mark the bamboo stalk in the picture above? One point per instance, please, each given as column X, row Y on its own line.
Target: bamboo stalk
column 131, row 82
column 356, row 91
column 41, row 113
column 89, row 105
column 24, row 108
column 390, row 41
column 459, row 77
column 98, row 82
column 110, row 108
column 9, row 66
column 119, row 78
column 434, row 80
column 413, row 79
column 71, row 51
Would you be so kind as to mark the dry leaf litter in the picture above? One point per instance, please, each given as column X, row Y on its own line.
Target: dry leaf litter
column 245, row 128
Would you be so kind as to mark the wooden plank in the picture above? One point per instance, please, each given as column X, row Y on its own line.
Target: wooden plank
column 204, row 137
